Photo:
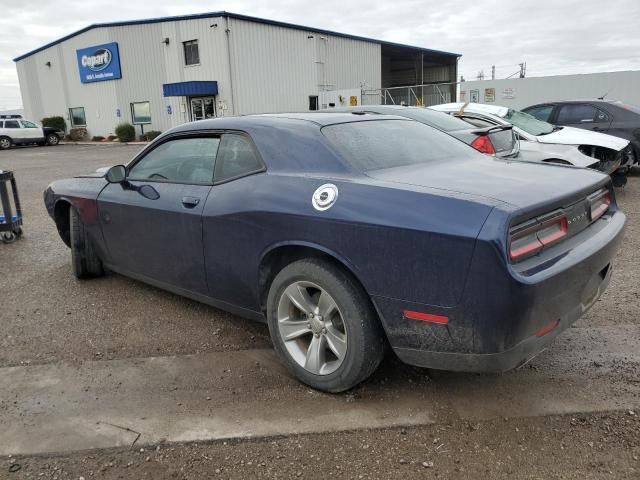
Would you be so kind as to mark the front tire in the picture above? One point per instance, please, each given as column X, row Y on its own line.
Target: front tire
column 323, row 325
column 84, row 260
column 53, row 140
column 5, row 143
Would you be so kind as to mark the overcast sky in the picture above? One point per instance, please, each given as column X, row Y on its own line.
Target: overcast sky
column 553, row 37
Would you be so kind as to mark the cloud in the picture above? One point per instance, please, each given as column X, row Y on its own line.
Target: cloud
column 573, row 36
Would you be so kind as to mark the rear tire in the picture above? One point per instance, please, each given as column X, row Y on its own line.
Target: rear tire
column 350, row 319
column 84, row 260
column 53, row 140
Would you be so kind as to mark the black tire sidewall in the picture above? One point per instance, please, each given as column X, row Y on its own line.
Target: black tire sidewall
column 84, row 261
column 365, row 346
column 7, row 147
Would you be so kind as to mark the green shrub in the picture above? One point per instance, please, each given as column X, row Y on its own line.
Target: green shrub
column 55, row 122
column 126, row 132
column 77, row 134
column 97, row 138
column 150, row 135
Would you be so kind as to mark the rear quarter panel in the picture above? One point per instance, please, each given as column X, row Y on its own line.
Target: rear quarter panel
column 399, row 243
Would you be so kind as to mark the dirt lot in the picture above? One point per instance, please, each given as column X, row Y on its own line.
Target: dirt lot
column 480, row 425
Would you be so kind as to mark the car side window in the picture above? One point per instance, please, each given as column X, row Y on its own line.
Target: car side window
column 576, row 113
column 543, row 112
column 182, row 160
column 27, row 124
column 602, row 116
column 11, row 124
column 237, row 157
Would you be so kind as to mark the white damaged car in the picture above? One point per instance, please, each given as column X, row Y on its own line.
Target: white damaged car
column 543, row 142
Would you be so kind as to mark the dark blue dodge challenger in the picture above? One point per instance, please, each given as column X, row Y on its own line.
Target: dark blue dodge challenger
column 348, row 234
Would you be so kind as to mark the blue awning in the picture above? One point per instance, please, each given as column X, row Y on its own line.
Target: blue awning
column 190, row 89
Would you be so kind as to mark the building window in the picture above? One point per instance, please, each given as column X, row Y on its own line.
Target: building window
column 77, row 117
column 141, row 113
column 191, row 53
column 313, row 102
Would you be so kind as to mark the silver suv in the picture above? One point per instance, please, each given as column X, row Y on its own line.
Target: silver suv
column 17, row 131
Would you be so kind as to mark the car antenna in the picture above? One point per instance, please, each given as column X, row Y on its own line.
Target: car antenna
column 602, row 97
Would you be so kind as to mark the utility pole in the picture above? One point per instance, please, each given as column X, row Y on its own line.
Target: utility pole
column 480, row 75
column 523, row 69
column 493, row 72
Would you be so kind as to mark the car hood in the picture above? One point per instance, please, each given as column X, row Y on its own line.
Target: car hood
column 578, row 136
column 520, row 184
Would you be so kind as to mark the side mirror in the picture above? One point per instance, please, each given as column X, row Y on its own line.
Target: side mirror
column 116, row 174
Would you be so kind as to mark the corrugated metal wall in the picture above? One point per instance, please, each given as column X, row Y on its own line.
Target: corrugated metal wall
column 275, row 69
column 519, row 93
column 268, row 69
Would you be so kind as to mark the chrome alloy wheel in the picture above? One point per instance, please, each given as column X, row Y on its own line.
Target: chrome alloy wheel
column 5, row 143
column 312, row 328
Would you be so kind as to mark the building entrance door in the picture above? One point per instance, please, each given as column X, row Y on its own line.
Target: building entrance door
column 203, row 107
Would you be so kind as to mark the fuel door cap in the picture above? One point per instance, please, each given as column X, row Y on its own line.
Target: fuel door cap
column 325, row 196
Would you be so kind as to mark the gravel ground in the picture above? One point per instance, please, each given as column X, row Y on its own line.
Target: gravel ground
column 112, row 317
column 47, row 316
column 558, row 447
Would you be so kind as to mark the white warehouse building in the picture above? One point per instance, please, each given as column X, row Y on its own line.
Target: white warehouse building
column 161, row 72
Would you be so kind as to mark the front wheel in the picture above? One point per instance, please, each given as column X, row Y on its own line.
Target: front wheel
column 5, row 143
column 53, row 139
column 323, row 325
column 84, row 259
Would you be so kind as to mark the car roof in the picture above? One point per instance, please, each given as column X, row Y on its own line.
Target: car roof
column 472, row 108
column 281, row 120
column 367, row 107
column 440, row 120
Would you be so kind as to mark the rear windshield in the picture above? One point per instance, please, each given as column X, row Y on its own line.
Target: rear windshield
column 440, row 120
column 379, row 144
column 627, row 106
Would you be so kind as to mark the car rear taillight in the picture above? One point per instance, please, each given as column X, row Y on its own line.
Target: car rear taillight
column 529, row 238
column 483, row 144
column 599, row 203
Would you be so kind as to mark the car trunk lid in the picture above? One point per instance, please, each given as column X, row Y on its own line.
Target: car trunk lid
column 521, row 184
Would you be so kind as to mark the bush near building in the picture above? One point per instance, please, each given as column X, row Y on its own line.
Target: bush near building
column 77, row 134
column 97, row 138
column 126, row 132
column 55, row 122
column 150, row 135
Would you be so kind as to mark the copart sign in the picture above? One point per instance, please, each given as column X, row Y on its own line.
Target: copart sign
column 99, row 63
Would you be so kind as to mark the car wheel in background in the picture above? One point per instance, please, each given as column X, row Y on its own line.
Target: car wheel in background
column 323, row 325
column 5, row 142
column 84, row 260
column 53, row 139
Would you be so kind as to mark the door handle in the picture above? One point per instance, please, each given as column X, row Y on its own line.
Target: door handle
column 190, row 202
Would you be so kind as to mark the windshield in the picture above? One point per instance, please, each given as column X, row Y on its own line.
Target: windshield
column 378, row 144
column 529, row 124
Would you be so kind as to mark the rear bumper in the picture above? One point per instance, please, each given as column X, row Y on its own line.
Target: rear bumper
column 501, row 320
column 503, row 361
